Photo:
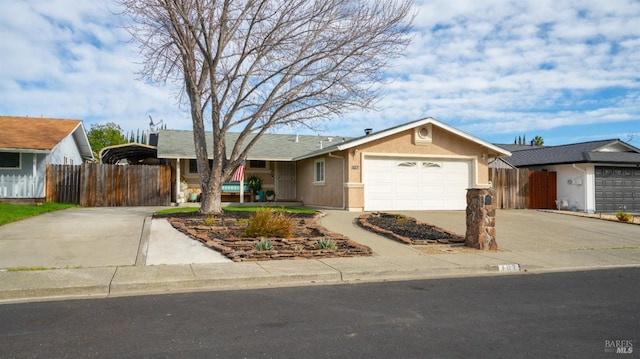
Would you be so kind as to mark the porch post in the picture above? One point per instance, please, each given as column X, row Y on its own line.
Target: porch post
column 35, row 175
column 177, row 179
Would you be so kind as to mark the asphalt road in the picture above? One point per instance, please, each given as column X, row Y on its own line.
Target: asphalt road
column 561, row 315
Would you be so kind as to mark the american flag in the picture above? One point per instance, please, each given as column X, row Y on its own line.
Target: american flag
column 239, row 174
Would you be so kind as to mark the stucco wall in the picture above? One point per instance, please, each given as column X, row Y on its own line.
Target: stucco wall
column 576, row 184
column 327, row 194
column 444, row 145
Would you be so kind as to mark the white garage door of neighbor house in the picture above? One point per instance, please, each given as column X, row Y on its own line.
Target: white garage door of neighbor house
column 415, row 184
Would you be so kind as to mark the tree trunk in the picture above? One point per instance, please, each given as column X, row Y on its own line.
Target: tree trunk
column 211, row 202
column 211, row 177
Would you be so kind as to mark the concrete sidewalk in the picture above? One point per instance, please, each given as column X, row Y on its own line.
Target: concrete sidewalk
column 530, row 241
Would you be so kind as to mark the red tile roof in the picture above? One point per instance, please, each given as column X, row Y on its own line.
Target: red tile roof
column 34, row 133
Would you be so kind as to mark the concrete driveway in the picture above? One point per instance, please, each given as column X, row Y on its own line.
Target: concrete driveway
column 104, row 237
column 530, row 230
column 77, row 237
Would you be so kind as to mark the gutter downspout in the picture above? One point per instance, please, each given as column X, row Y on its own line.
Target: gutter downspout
column 585, row 185
column 344, row 199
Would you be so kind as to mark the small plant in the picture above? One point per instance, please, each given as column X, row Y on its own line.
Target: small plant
column 325, row 243
column 401, row 219
column 623, row 216
column 270, row 195
column 255, row 183
column 209, row 221
column 269, row 223
column 264, row 245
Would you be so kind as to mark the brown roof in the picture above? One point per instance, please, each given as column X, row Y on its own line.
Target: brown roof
column 34, row 133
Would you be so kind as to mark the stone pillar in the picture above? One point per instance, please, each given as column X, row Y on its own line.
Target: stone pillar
column 481, row 219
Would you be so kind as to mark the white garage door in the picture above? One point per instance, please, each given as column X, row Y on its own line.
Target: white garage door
column 415, row 184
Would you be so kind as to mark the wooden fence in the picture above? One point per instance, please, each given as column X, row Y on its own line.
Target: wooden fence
column 512, row 187
column 102, row 185
column 63, row 184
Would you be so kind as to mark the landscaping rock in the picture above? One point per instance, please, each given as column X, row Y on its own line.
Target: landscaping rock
column 229, row 239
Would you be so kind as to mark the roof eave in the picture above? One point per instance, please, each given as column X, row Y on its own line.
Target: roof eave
column 382, row 134
column 24, row 150
column 80, row 135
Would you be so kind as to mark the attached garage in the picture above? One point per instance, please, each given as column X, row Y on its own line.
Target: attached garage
column 615, row 187
column 397, row 183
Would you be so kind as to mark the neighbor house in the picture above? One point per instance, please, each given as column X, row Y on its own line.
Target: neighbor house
column 28, row 145
column 420, row 165
column 596, row 176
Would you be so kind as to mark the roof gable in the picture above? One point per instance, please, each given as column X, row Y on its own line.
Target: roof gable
column 400, row 128
column 41, row 134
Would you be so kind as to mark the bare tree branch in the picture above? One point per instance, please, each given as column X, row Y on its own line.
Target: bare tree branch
column 255, row 64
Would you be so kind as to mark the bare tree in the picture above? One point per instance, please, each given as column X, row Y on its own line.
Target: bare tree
column 248, row 65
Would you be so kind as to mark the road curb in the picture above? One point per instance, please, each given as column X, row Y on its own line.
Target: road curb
column 164, row 279
column 85, row 282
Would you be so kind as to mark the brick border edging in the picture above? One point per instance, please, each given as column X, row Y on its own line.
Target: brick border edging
column 363, row 222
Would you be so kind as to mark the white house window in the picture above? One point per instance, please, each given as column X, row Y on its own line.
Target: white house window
column 318, row 171
column 407, row 164
column 193, row 166
column 10, row 160
column 430, row 165
column 257, row 164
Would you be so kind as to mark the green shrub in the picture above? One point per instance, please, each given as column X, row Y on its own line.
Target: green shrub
column 401, row 219
column 209, row 221
column 325, row 243
column 623, row 216
column 264, row 245
column 269, row 223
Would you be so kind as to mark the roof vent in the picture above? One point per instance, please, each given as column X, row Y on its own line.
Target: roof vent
column 367, row 131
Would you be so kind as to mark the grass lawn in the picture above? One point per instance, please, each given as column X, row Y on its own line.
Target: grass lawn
column 14, row 212
column 238, row 209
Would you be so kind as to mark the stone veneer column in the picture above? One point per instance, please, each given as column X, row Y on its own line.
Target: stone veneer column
column 481, row 219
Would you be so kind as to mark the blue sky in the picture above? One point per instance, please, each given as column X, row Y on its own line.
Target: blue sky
column 568, row 71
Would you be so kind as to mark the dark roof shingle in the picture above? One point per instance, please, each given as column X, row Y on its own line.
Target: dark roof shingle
column 574, row 153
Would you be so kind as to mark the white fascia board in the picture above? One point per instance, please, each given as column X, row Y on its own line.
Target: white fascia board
column 618, row 142
column 80, row 135
column 408, row 126
column 24, row 150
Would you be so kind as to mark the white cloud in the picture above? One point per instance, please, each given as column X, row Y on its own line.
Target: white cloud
column 492, row 68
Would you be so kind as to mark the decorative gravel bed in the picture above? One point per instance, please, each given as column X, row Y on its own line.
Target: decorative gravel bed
column 407, row 229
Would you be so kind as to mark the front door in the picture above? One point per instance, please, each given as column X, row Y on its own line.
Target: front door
column 285, row 181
